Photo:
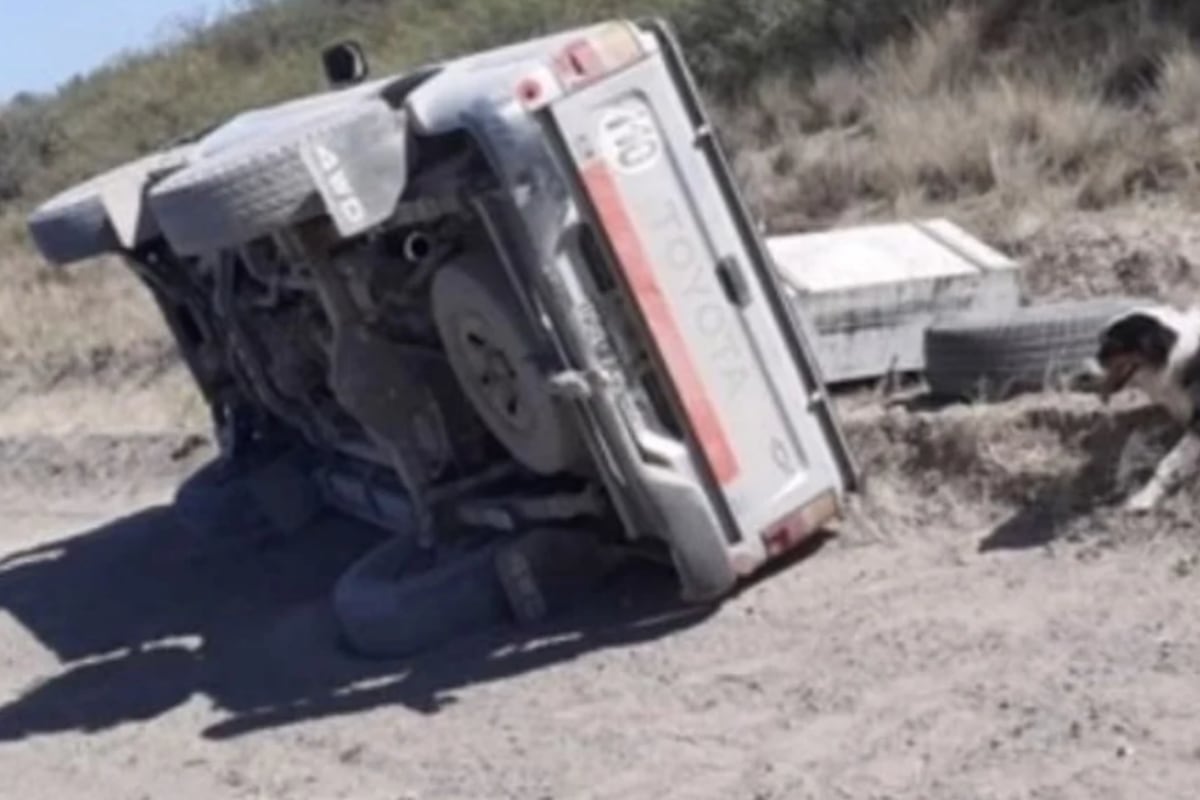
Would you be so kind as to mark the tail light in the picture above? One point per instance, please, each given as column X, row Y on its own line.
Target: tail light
column 588, row 58
column 800, row 525
column 607, row 49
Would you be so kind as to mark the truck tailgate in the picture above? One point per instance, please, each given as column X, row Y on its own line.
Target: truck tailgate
column 658, row 192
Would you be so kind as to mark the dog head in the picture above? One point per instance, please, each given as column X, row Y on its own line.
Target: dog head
column 1134, row 345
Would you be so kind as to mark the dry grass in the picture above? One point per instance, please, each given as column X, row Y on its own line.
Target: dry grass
column 1042, row 470
column 942, row 123
column 1179, row 98
column 1049, row 453
column 1005, row 114
column 96, row 322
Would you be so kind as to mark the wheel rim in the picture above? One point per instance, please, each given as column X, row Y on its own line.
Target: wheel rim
column 491, row 350
column 494, row 374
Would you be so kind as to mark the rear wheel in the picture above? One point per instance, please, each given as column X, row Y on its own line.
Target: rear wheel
column 216, row 501
column 400, row 599
column 248, row 496
column 546, row 570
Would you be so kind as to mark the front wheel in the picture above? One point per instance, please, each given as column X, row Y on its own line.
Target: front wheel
column 248, row 496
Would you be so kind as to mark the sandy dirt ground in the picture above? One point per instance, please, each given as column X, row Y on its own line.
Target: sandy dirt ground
column 983, row 627
column 985, row 624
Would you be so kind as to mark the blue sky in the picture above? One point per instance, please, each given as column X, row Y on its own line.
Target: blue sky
column 45, row 42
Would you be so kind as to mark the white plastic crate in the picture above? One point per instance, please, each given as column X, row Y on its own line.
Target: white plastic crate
column 868, row 293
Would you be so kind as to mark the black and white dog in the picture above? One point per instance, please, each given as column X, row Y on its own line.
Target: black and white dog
column 1157, row 350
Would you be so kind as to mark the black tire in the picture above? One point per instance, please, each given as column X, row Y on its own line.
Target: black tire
column 987, row 356
column 547, row 570
column 215, row 501
column 285, row 493
column 265, row 183
column 248, row 498
column 390, row 604
column 77, row 224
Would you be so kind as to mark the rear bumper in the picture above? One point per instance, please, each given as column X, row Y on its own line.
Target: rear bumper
column 653, row 477
column 645, row 452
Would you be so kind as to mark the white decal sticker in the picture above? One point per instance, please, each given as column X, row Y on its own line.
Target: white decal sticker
column 629, row 137
column 349, row 207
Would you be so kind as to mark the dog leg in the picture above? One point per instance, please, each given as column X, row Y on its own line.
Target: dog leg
column 1179, row 463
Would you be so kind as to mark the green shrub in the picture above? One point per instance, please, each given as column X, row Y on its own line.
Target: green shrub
column 29, row 139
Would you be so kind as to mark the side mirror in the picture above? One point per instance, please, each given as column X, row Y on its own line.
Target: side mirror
column 345, row 64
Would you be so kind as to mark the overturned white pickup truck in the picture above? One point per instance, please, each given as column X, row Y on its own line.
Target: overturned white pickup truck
column 510, row 307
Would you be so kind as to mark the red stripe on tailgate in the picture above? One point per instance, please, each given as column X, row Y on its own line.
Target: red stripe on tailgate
column 632, row 257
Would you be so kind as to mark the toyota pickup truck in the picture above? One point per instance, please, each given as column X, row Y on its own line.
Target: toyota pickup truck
column 509, row 293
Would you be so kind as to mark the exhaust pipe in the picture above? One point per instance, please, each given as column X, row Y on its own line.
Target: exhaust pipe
column 417, row 247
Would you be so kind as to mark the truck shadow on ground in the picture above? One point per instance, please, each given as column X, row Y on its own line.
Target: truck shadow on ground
column 144, row 617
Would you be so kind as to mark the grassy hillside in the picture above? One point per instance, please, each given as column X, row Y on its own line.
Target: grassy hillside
column 1003, row 113
column 987, row 71
column 268, row 51
column 990, row 109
